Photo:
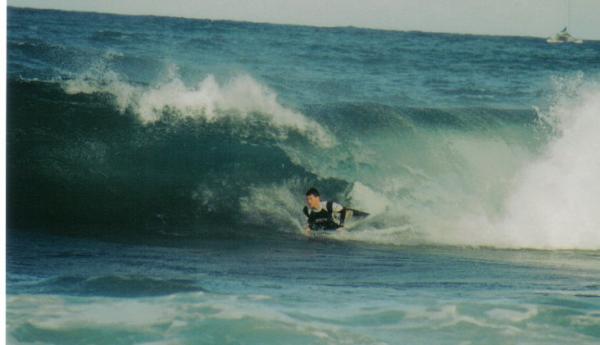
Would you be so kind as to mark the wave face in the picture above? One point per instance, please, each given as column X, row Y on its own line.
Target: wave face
column 77, row 161
column 163, row 126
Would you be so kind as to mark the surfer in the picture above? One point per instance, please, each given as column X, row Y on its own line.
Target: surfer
column 321, row 214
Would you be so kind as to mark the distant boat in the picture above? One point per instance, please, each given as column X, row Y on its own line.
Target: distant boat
column 564, row 36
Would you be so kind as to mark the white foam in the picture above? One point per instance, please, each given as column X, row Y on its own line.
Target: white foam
column 241, row 98
column 506, row 197
column 273, row 204
column 366, row 199
column 556, row 200
column 512, row 315
column 259, row 297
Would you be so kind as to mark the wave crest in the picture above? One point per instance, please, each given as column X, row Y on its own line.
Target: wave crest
column 242, row 98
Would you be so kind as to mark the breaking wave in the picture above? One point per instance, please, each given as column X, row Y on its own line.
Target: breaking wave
column 227, row 158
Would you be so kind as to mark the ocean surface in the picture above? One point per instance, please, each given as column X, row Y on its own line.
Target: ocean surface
column 156, row 170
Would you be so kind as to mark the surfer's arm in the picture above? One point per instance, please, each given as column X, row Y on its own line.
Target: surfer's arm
column 338, row 208
column 308, row 226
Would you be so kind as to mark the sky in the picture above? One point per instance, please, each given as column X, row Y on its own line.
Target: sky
column 494, row 17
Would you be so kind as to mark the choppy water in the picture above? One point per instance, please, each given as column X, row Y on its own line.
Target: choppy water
column 156, row 170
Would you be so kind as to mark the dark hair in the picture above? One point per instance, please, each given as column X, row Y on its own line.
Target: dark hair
column 312, row 191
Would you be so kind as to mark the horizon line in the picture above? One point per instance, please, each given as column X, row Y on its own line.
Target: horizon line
column 277, row 23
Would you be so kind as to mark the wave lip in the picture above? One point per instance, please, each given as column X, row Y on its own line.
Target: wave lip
column 241, row 98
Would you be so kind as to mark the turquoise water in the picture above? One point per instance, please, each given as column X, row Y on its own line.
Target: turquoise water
column 82, row 291
column 157, row 167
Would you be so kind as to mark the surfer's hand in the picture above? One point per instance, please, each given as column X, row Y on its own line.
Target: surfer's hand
column 307, row 231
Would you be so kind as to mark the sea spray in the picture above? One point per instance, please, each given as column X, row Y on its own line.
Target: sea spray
column 241, row 98
column 547, row 201
column 556, row 199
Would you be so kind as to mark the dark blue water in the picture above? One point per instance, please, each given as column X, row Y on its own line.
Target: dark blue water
column 157, row 167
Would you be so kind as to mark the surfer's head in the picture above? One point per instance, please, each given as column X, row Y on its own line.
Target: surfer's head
column 313, row 199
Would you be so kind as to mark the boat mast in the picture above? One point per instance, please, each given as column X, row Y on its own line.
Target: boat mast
column 568, row 13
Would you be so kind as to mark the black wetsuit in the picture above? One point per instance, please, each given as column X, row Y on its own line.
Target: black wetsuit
column 323, row 219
